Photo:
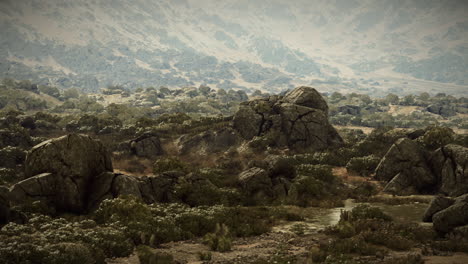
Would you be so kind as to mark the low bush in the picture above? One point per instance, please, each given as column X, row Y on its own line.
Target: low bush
column 146, row 255
column 363, row 166
column 169, row 164
column 220, row 240
column 50, row 241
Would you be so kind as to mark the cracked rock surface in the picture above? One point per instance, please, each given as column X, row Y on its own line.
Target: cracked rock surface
column 406, row 169
column 299, row 119
column 409, row 169
column 61, row 171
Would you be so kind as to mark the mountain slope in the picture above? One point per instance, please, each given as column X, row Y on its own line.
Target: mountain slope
column 364, row 45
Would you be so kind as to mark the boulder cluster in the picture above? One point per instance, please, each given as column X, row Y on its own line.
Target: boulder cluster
column 74, row 174
column 268, row 180
column 449, row 215
column 299, row 120
column 409, row 169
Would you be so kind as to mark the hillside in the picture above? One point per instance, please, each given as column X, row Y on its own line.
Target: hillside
column 369, row 46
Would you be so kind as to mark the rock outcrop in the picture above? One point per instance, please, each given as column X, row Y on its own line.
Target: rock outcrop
column 147, row 145
column 299, row 120
column 61, row 172
column 452, row 217
column 437, row 204
column 450, row 166
column 410, row 169
column 405, row 169
column 270, row 181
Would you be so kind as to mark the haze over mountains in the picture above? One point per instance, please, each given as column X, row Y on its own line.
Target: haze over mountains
column 366, row 46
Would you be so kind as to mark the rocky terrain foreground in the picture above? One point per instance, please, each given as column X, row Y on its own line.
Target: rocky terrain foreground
column 275, row 183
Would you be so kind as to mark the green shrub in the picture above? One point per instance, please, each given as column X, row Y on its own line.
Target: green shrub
column 220, row 240
column 204, row 256
column 363, row 166
column 169, row 164
column 47, row 240
column 437, row 136
column 314, row 183
column 364, row 191
column 147, row 256
column 364, row 211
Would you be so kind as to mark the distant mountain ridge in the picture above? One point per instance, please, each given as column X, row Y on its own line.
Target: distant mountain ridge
column 368, row 46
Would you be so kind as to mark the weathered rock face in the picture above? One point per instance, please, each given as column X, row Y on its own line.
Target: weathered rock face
column 269, row 182
column 437, row 204
column 75, row 156
column 308, row 97
column 452, row 217
column 62, row 171
column 450, row 165
column 406, row 169
column 147, row 145
column 109, row 185
column 257, row 184
column 298, row 120
column 211, row 141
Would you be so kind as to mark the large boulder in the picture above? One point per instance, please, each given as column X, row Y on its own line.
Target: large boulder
column 62, row 171
column 147, row 145
column 450, row 165
column 406, row 169
column 299, row 120
column 452, row 217
column 255, row 180
column 109, row 185
column 308, row 97
column 437, row 204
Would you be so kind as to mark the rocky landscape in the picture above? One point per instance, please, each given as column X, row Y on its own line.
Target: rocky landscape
column 275, row 182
